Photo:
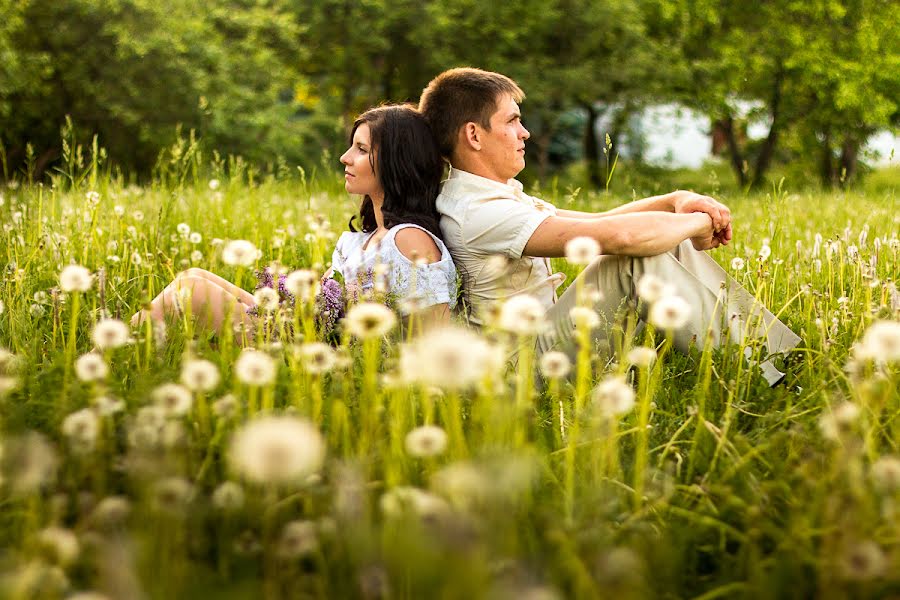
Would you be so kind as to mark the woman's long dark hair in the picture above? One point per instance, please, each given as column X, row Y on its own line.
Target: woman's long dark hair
column 407, row 163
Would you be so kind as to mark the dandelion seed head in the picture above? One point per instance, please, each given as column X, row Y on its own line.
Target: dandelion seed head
column 195, row 237
column 108, row 405
column 864, row 561
column 582, row 250
column 92, row 198
column 303, row 284
column 173, row 494
column 555, row 365
column 670, row 312
column 256, row 368
column 214, row 184
column 613, row 397
column 225, row 407
column 315, row 357
column 881, row 342
column 91, row 367
column 449, row 358
column 368, row 320
column 426, row 441
column 239, row 253
column 111, row 333
column 839, row 421
column 32, row 460
column 885, row 474
column 737, row 263
column 764, row 253
column 651, row 288
column 402, row 501
column 229, row 497
column 81, row 428
column 298, row 539
column 174, row 399
column 641, row 357
column 61, row 544
column 200, row 375
column 111, row 512
column 584, row 318
column 277, row 450
column 522, row 315
column 183, row 229
column 266, row 299
column 75, row 278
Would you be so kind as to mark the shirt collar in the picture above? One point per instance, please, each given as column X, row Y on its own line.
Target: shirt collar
column 512, row 185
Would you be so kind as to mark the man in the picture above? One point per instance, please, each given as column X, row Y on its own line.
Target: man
column 475, row 117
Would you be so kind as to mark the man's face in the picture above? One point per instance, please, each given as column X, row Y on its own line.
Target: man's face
column 503, row 147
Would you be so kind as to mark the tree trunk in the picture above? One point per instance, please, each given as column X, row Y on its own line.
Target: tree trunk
column 826, row 170
column 734, row 150
column 767, row 150
column 592, row 148
column 849, row 160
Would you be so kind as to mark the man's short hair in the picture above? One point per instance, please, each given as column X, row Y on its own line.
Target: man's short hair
column 462, row 95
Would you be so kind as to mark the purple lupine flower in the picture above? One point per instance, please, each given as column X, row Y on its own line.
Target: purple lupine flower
column 330, row 306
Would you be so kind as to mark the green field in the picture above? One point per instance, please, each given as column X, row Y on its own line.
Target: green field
column 712, row 485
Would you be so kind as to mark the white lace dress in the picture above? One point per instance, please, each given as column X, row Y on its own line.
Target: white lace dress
column 409, row 284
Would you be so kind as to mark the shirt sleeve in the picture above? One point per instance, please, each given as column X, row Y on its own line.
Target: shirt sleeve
column 337, row 257
column 501, row 226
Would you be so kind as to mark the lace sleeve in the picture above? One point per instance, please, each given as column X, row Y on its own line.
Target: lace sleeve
column 422, row 286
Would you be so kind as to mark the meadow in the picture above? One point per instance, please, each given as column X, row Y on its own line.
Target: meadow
column 166, row 462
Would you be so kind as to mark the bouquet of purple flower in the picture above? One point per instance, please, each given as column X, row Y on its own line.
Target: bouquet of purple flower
column 266, row 278
column 331, row 306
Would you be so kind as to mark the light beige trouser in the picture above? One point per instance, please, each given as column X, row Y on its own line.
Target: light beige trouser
column 698, row 279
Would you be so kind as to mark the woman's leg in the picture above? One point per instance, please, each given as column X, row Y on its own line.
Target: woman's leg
column 211, row 304
column 241, row 294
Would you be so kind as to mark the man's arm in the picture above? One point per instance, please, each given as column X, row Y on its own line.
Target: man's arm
column 679, row 201
column 637, row 234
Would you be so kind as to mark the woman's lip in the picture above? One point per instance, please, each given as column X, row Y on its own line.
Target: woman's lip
column 349, row 174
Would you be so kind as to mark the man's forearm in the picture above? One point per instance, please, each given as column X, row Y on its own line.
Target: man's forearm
column 661, row 203
column 649, row 234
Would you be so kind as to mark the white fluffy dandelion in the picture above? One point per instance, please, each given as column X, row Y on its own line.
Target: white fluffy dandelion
column 370, row 320
column 737, row 263
column 651, row 288
column 75, row 278
column 613, row 397
column 298, row 539
column 641, row 357
column 229, row 497
column 108, row 405
column 670, row 312
column 840, row 420
column 225, row 407
column 255, row 368
column 881, row 342
column 522, row 315
column 214, row 184
column 426, row 441
column 584, row 318
column 582, row 250
column 864, row 561
column 239, row 253
column 401, row 501
column 448, row 358
column 885, row 474
column 81, row 429
column 303, row 284
column 200, row 375
column 277, row 450
column 173, row 494
column 764, row 253
column 174, row 399
column 60, row 543
column 266, row 299
column 111, row 333
column 555, row 364
column 91, row 367
column 315, row 357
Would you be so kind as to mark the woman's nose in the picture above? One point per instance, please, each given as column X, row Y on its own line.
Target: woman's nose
column 345, row 159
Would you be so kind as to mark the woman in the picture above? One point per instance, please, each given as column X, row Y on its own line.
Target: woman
column 394, row 163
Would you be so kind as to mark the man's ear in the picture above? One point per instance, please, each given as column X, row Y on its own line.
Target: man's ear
column 471, row 135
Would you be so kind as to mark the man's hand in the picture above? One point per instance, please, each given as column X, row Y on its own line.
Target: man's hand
column 689, row 202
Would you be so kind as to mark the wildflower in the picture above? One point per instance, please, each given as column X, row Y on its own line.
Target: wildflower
column 239, row 253
column 298, row 539
column 522, row 315
column 2, row 307
column 370, row 320
column 737, row 263
column 448, row 357
column 426, row 441
column 200, row 375
column 75, row 278
column 463, row 484
column 584, row 318
column 864, row 561
column 555, row 364
column 303, row 284
column 174, row 399
column 92, row 198
column 213, row 184
column 91, row 367
column 255, row 368
column 582, row 250
column 266, row 299
column 195, row 237
column 183, row 229
column 316, row 358
column 613, row 397
column 61, row 544
column 852, row 252
column 885, row 474
column 111, row 512
column 641, row 357
column 119, row 210
column 108, row 405
column 7, row 384
column 671, row 312
column 651, row 288
column 228, row 497
column 402, row 500
column 764, row 253
column 32, row 460
column 82, row 427
column 277, row 450
column 839, row 421
column 881, row 342
column 173, row 494
column 111, row 333
column 225, row 407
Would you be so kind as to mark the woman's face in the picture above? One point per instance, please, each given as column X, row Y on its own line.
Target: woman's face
column 359, row 176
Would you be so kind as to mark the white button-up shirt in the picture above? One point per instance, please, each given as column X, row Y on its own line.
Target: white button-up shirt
column 486, row 225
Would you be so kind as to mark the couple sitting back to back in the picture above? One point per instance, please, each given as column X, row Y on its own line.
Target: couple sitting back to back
column 483, row 212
